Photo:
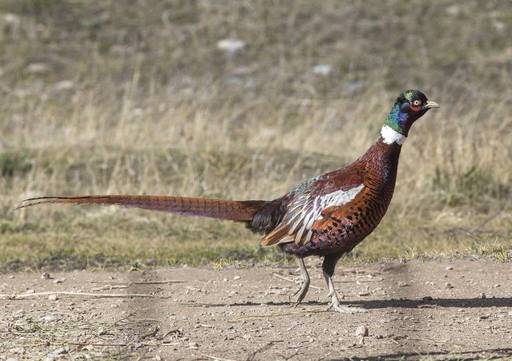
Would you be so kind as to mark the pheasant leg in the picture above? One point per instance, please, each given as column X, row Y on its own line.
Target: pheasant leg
column 328, row 270
column 304, row 282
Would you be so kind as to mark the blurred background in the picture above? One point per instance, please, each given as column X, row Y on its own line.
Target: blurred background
column 243, row 100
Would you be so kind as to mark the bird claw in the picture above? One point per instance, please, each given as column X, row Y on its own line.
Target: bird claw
column 303, row 289
column 335, row 305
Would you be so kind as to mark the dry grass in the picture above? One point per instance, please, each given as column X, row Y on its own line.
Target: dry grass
column 107, row 98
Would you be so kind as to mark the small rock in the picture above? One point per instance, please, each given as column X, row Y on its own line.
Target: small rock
column 448, row 285
column 193, row 345
column 403, row 284
column 231, row 46
column 45, row 276
column 50, row 318
column 483, row 317
column 17, row 350
column 362, row 331
column 453, row 10
column 59, row 280
column 236, row 278
column 322, row 69
column 497, row 285
column 427, row 298
column 12, row 19
column 64, row 85
column 37, row 68
column 482, row 296
column 55, row 353
column 449, row 268
column 53, row 297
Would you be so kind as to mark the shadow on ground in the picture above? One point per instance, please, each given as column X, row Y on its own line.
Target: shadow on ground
column 392, row 303
column 488, row 354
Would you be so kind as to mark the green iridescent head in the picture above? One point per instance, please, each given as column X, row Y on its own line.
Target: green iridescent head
column 408, row 108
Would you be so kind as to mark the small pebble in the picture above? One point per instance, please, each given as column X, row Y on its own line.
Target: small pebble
column 45, row 276
column 449, row 268
column 448, row 285
column 362, row 331
column 53, row 297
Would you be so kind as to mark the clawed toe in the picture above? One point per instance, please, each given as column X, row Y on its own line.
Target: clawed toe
column 301, row 292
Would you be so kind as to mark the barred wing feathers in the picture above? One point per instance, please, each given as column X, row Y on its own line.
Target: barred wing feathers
column 304, row 210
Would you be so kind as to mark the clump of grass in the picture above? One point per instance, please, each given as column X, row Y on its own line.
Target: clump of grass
column 472, row 187
column 103, row 98
column 14, row 164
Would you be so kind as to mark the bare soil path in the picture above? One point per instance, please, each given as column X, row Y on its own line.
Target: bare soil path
column 418, row 310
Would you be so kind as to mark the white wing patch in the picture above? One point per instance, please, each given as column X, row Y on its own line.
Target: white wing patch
column 304, row 211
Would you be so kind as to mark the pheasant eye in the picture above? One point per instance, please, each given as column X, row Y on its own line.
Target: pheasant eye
column 416, row 103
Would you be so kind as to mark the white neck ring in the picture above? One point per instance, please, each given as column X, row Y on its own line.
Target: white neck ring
column 391, row 136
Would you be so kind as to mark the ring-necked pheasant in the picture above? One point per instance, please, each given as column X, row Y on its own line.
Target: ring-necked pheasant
column 325, row 216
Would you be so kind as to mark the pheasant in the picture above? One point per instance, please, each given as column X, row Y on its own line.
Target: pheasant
column 326, row 216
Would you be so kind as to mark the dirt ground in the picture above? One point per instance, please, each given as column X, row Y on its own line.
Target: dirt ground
column 418, row 310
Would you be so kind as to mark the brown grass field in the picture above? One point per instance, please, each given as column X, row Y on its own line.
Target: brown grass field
column 135, row 97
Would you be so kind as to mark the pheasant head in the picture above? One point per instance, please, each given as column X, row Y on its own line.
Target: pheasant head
column 408, row 108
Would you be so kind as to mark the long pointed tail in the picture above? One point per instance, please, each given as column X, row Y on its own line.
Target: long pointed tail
column 242, row 211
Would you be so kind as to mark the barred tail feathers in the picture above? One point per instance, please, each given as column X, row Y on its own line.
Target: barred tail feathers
column 241, row 211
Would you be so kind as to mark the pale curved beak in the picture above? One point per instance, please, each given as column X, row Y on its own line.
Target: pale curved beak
column 430, row 104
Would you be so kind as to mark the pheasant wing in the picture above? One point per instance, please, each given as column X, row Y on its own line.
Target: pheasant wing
column 307, row 203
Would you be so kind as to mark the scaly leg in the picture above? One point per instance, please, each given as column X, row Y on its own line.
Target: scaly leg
column 328, row 269
column 304, row 283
